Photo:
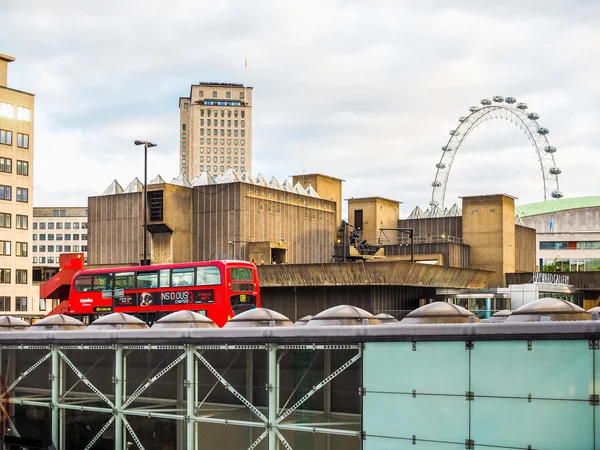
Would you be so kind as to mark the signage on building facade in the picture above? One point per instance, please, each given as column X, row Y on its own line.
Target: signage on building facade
column 552, row 278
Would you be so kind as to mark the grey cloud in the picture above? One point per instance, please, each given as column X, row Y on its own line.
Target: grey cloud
column 363, row 91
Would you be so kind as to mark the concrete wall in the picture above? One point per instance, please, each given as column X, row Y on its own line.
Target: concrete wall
column 488, row 227
column 452, row 254
column 329, row 188
column 115, row 230
column 211, row 222
column 434, row 227
column 581, row 219
column 378, row 213
column 525, row 248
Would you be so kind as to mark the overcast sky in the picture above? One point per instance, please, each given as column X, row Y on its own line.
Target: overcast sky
column 364, row 91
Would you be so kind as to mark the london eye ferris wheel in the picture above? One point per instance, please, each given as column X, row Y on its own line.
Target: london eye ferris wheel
column 499, row 108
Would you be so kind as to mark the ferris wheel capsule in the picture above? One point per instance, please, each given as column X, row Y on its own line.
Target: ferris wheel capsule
column 486, row 102
column 445, row 148
column 557, row 194
column 543, row 130
column 555, row 170
column 436, row 184
column 510, row 100
column 440, row 165
column 550, row 149
column 498, row 98
column 522, row 105
column 474, row 108
column 533, row 116
column 462, row 118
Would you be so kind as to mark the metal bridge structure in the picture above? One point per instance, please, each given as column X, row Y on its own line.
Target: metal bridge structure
column 330, row 387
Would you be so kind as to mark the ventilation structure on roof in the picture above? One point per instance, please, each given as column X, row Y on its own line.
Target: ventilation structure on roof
column 118, row 321
column 9, row 323
column 58, row 322
column 184, row 319
column 259, row 317
column 344, row 315
column 549, row 310
column 439, row 312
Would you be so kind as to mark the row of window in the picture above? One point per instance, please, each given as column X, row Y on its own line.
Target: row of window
column 20, row 304
column 7, row 110
column 20, row 248
column 209, row 122
column 216, row 150
column 6, row 193
column 216, row 159
column 6, row 221
column 573, row 264
column 59, row 225
column 215, row 113
column 59, row 248
column 59, row 237
column 215, row 141
column 185, row 276
column 570, row 245
column 6, row 138
column 6, row 166
column 227, row 94
column 216, row 132
column 221, row 168
column 20, row 276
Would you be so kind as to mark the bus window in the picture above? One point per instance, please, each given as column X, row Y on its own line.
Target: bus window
column 102, row 282
column 164, row 278
column 125, row 280
column 208, row 275
column 83, row 283
column 240, row 274
column 182, row 277
column 147, row 280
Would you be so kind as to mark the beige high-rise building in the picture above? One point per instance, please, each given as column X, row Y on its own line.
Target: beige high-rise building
column 16, row 204
column 216, row 129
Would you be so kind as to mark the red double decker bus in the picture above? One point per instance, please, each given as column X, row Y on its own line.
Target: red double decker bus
column 218, row 289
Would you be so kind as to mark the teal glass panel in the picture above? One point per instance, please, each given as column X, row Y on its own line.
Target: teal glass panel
column 434, row 367
column 551, row 369
column 428, row 417
column 379, row 443
column 543, row 424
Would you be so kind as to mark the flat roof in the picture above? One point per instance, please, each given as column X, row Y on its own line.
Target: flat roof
column 362, row 199
column 561, row 204
column 317, row 175
column 6, row 58
column 17, row 90
column 589, row 329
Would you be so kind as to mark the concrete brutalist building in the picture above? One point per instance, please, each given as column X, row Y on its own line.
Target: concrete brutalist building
column 225, row 217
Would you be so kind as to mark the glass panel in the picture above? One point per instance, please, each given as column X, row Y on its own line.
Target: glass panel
column 102, row 282
column 434, row 367
column 125, row 280
column 430, row 417
column 209, row 275
column 147, row 280
column 182, row 277
column 551, row 369
column 240, row 273
column 164, row 275
column 517, row 423
column 83, row 283
column 382, row 443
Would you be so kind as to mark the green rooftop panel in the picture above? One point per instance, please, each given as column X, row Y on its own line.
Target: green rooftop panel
column 562, row 204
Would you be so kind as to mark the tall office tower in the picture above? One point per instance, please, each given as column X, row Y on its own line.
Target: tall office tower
column 216, row 129
column 16, row 206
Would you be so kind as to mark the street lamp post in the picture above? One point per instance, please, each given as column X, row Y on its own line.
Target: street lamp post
column 146, row 145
